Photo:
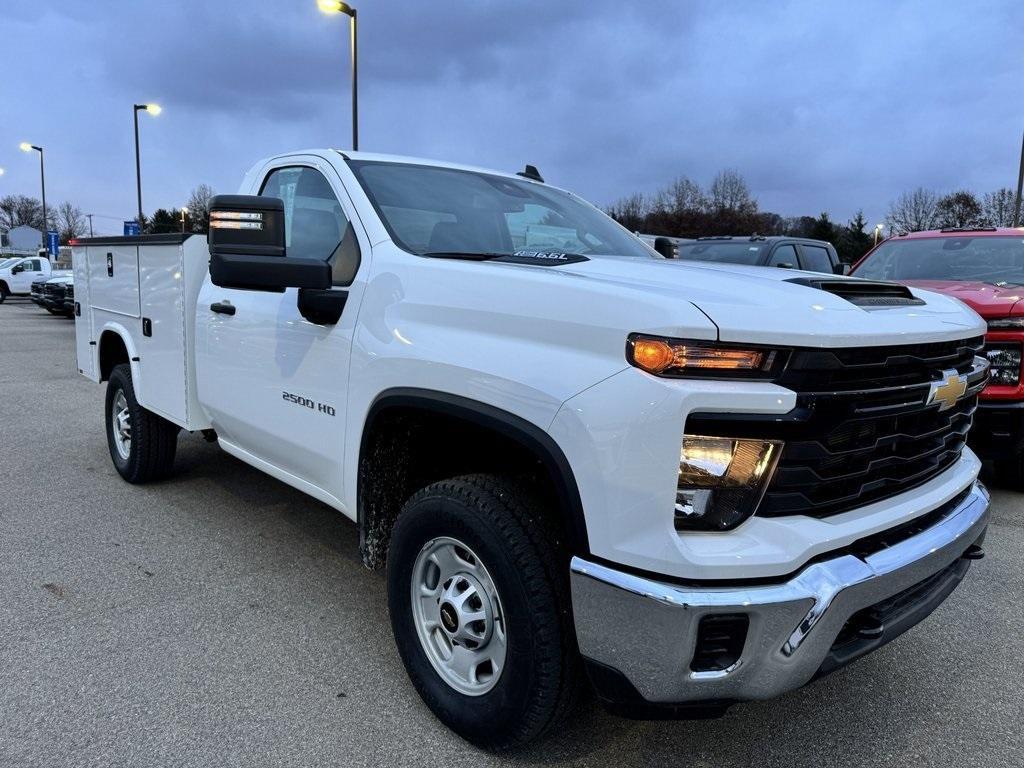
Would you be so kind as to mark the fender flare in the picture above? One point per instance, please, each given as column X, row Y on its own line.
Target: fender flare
column 509, row 425
column 133, row 355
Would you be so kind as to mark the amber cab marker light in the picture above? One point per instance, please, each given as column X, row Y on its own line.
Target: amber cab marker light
column 652, row 355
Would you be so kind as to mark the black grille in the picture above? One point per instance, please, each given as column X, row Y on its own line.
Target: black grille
column 54, row 290
column 861, row 431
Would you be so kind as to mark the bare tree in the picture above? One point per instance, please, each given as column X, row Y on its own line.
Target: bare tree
column 199, row 207
column 913, row 211
column 70, row 221
column 679, row 196
column 631, row 211
column 729, row 192
column 958, row 210
column 16, row 210
column 997, row 208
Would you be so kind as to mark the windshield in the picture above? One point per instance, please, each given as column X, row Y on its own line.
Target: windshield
column 995, row 260
column 726, row 252
column 8, row 262
column 442, row 211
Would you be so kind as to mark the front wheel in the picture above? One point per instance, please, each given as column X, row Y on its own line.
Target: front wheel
column 479, row 603
column 142, row 445
column 3, row 292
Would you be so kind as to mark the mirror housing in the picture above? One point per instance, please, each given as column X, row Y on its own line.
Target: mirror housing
column 665, row 247
column 17, row 268
column 247, row 247
column 841, row 268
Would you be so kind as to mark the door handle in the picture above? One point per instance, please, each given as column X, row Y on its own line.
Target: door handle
column 224, row 307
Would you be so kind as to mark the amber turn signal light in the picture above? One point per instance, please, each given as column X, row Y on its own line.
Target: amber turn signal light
column 676, row 357
column 652, row 355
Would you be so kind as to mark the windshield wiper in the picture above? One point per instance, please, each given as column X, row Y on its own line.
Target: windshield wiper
column 468, row 255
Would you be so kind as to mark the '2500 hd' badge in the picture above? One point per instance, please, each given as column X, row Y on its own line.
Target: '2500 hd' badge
column 313, row 405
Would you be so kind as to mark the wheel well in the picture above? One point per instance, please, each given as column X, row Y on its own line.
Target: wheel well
column 113, row 352
column 412, row 438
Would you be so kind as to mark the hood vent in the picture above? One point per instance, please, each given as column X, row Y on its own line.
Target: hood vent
column 863, row 293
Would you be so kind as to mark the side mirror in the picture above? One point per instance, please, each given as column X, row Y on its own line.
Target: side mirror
column 786, row 265
column 17, row 268
column 841, row 269
column 247, row 248
column 665, row 247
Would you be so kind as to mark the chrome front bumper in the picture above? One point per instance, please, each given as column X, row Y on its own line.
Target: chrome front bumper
column 645, row 631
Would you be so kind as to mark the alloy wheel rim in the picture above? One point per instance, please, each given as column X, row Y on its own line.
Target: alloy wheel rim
column 458, row 616
column 121, row 425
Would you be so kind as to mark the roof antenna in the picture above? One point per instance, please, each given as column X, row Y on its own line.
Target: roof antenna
column 531, row 172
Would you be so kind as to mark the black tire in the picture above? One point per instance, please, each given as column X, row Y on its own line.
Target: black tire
column 3, row 292
column 154, row 440
column 53, row 311
column 505, row 526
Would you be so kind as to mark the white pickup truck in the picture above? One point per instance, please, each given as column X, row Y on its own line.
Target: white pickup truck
column 698, row 484
column 18, row 273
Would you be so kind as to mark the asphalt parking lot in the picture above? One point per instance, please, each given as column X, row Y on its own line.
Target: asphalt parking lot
column 222, row 618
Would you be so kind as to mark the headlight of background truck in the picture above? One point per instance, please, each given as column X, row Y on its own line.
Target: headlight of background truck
column 1005, row 361
column 722, row 480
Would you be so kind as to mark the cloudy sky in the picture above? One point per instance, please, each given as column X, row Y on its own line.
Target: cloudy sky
column 821, row 105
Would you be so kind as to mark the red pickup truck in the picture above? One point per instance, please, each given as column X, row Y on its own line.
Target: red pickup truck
column 984, row 268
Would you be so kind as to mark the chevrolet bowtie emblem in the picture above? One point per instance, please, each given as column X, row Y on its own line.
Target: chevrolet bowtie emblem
column 947, row 390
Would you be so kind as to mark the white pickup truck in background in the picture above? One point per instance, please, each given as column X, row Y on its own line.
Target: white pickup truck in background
column 699, row 484
column 18, row 273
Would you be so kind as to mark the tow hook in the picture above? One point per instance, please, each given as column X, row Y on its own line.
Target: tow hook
column 973, row 552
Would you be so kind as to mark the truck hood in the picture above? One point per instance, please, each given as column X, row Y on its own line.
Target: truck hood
column 987, row 299
column 763, row 305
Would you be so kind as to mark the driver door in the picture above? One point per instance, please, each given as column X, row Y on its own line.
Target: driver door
column 272, row 379
column 31, row 270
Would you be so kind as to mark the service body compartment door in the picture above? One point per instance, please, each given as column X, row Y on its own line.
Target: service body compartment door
column 161, row 343
column 85, row 349
column 114, row 278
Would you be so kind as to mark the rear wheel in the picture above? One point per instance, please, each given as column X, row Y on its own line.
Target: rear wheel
column 479, row 603
column 142, row 445
column 3, row 292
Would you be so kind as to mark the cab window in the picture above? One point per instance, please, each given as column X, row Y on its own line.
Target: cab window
column 816, row 258
column 315, row 227
column 784, row 256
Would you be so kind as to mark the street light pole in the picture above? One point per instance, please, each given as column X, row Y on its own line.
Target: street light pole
column 183, row 212
column 1020, row 184
column 153, row 109
column 26, row 147
column 89, row 216
column 878, row 231
column 335, row 6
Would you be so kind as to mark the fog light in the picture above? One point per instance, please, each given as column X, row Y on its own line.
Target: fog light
column 721, row 480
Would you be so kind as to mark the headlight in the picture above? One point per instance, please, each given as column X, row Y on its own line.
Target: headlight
column 1006, row 324
column 681, row 358
column 722, row 480
column 1005, row 362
